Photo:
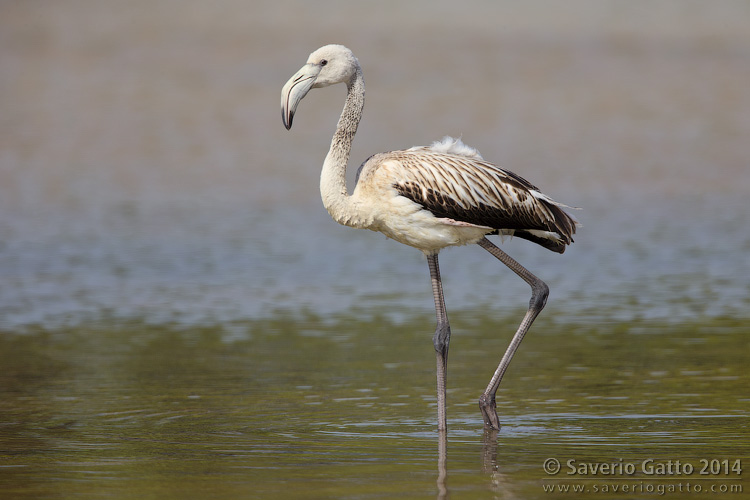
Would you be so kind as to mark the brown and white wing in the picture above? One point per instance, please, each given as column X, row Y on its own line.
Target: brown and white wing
column 468, row 189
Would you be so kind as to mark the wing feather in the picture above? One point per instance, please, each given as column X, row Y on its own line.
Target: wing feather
column 470, row 190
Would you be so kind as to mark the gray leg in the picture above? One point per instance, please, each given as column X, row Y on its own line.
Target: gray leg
column 539, row 293
column 441, row 340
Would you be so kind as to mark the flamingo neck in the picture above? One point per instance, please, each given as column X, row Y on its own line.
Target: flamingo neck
column 333, row 190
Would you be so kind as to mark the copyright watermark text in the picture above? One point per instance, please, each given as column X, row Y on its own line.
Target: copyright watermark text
column 647, row 467
column 646, row 476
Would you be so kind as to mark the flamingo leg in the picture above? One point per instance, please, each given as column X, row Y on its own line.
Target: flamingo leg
column 539, row 293
column 442, row 338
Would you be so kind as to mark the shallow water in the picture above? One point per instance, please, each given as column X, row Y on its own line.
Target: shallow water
column 180, row 317
column 317, row 409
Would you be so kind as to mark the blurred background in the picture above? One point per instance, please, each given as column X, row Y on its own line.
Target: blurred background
column 145, row 173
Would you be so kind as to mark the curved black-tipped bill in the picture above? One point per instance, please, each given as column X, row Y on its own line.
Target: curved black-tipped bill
column 294, row 90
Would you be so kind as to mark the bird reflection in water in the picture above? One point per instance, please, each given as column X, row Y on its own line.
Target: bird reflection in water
column 498, row 481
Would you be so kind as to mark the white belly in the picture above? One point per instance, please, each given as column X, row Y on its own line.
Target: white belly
column 410, row 224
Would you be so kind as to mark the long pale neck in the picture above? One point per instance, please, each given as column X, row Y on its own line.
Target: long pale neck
column 333, row 176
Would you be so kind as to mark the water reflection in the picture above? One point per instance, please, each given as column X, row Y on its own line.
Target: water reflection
column 442, row 467
column 140, row 407
column 489, row 462
column 501, row 484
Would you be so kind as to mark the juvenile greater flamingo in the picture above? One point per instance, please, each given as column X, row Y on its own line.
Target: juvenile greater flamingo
column 430, row 198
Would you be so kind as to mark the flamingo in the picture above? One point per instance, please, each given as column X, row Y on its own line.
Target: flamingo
column 431, row 198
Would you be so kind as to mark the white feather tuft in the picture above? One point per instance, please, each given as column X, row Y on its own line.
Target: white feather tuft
column 449, row 145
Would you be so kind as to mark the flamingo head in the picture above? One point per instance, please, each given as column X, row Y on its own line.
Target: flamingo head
column 326, row 66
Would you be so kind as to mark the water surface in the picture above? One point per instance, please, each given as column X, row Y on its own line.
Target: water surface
column 322, row 410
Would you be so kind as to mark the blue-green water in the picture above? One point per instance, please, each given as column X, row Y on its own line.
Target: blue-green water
column 346, row 409
column 180, row 318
